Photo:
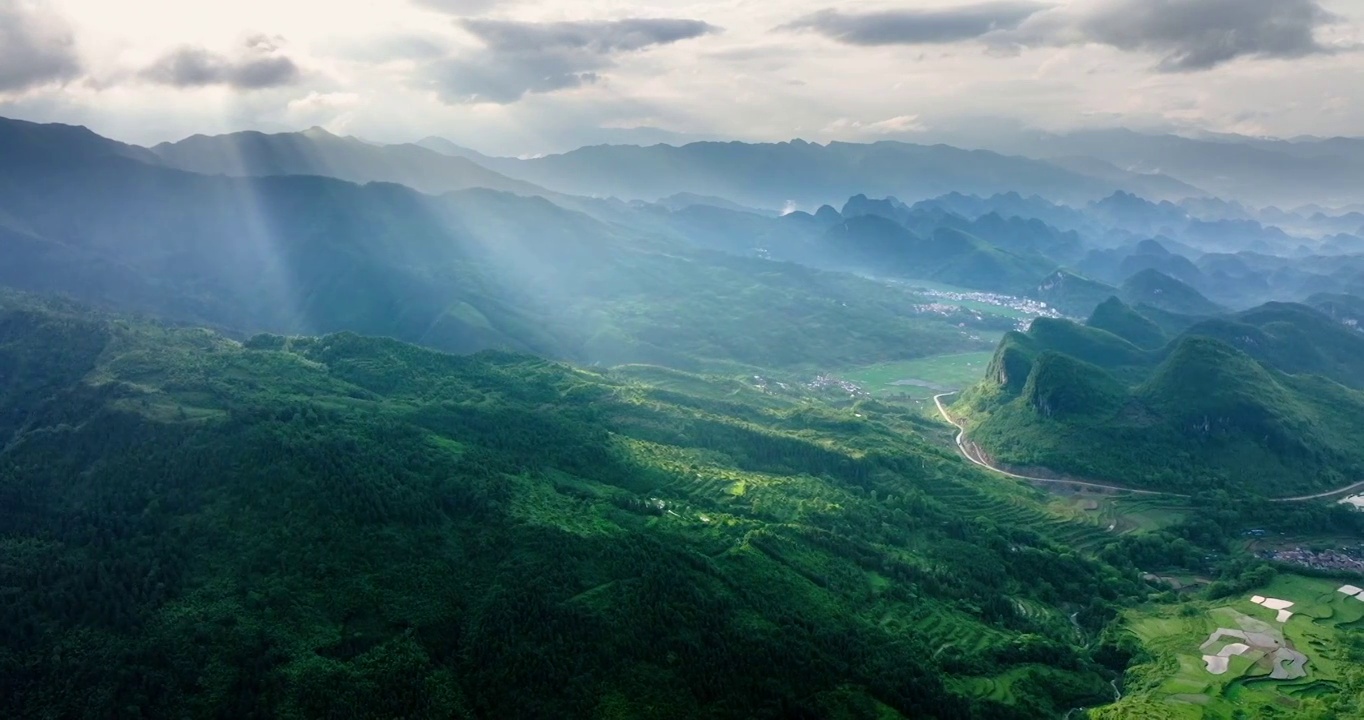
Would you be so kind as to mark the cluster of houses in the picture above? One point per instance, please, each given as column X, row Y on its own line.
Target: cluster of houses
column 1347, row 560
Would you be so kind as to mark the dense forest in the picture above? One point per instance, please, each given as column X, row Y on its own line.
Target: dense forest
column 356, row 528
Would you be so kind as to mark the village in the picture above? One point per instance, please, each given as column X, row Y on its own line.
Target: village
column 1017, row 304
column 1344, row 559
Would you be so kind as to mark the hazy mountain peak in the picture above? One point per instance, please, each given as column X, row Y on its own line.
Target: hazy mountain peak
column 317, row 132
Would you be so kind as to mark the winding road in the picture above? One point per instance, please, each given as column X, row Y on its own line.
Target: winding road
column 977, row 458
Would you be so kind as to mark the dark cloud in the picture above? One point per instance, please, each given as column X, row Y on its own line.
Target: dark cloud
column 36, row 46
column 917, row 27
column 260, row 66
column 522, row 58
column 1190, row 34
column 599, row 37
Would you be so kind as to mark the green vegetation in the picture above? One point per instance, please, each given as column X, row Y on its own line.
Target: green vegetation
column 1295, row 339
column 357, row 528
column 1072, row 294
column 1154, row 288
column 1348, row 309
column 297, row 514
column 1117, row 317
column 919, row 379
column 1265, row 417
column 1172, row 680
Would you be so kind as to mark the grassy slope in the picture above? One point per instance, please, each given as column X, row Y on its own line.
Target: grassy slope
column 303, row 528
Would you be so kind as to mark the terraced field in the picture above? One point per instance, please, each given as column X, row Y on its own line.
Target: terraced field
column 993, row 499
column 998, row 687
column 944, row 628
column 1179, row 681
column 1122, row 514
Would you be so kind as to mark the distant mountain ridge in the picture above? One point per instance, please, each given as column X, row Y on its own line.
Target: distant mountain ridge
column 318, row 152
column 808, row 174
column 1263, row 172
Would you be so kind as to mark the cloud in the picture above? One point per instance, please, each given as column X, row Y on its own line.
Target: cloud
column 389, row 48
column 523, row 57
column 917, row 26
column 333, row 110
column 260, row 65
column 37, row 46
column 899, row 125
column 1190, row 35
column 462, row 7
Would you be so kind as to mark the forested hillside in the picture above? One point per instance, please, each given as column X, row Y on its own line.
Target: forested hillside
column 347, row 527
column 1266, row 401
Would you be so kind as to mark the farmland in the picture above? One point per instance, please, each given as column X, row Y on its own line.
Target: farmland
column 920, row 379
column 1182, row 678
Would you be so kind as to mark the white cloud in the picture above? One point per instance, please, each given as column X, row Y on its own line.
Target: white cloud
column 369, row 70
column 334, row 111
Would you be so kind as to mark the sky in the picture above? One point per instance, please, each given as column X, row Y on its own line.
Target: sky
column 522, row 77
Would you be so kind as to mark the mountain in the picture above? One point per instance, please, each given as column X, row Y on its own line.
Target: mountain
column 682, row 201
column 1259, row 172
column 1256, row 276
column 459, row 272
column 1115, row 316
column 809, row 175
column 882, row 238
column 318, row 152
column 1295, row 339
column 344, row 526
column 1114, row 265
column 1071, row 293
column 446, row 147
column 1012, row 205
column 874, row 243
column 1345, row 309
column 28, row 144
column 1154, row 288
column 1029, row 235
column 1265, row 402
column 1138, row 215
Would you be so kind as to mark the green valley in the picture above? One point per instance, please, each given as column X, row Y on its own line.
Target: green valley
column 350, row 527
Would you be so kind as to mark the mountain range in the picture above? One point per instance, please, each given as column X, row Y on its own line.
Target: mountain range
column 1264, row 172
column 297, row 425
column 462, row 271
